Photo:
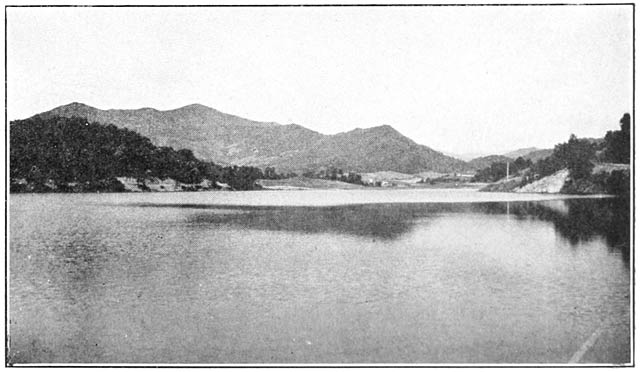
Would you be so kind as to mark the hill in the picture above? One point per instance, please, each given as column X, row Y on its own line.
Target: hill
column 520, row 152
column 486, row 161
column 227, row 139
column 536, row 155
column 530, row 153
column 465, row 156
column 75, row 155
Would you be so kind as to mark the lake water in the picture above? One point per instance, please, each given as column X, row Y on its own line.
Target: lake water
column 362, row 276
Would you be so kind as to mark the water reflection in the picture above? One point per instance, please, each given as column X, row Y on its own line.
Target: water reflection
column 202, row 283
column 575, row 220
column 375, row 221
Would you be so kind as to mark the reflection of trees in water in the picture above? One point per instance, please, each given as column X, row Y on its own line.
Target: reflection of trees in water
column 383, row 221
column 576, row 220
column 376, row 221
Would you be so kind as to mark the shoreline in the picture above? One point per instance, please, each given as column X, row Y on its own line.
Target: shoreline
column 304, row 198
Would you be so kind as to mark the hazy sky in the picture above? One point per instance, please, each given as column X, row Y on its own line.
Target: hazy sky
column 457, row 79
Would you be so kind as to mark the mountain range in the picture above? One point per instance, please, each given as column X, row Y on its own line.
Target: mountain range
column 227, row 139
column 231, row 140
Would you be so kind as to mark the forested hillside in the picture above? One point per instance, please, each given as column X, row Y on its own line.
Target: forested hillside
column 73, row 154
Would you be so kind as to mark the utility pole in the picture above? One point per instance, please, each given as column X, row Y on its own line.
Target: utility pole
column 507, row 170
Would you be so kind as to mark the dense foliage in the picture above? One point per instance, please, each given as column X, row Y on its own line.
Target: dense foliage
column 617, row 143
column 498, row 170
column 271, row 174
column 51, row 153
column 335, row 174
column 615, row 183
column 577, row 155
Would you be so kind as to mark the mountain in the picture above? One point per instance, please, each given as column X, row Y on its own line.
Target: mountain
column 466, row 156
column 520, row 152
column 227, row 139
column 486, row 161
column 530, row 153
column 536, row 155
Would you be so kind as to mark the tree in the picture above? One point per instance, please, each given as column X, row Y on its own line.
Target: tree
column 333, row 174
column 576, row 155
column 617, row 143
column 521, row 163
column 270, row 173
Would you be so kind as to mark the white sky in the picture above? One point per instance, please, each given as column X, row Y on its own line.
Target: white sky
column 457, row 79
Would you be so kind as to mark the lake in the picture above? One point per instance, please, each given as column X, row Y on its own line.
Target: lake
column 331, row 276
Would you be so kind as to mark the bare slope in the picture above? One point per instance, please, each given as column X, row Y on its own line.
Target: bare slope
column 548, row 185
column 229, row 139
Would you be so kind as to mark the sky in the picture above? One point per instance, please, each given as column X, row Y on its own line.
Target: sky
column 461, row 80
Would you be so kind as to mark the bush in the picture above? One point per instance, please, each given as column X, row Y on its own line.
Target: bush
column 618, row 183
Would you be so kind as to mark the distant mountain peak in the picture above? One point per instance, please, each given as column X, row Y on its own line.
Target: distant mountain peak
column 384, row 129
column 195, row 106
column 73, row 109
column 76, row 105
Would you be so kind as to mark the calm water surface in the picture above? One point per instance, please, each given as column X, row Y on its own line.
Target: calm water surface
column 318, row 277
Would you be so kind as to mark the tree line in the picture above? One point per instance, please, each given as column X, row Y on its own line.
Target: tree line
column 335, row 174
column 498, row 170
column 51, row 153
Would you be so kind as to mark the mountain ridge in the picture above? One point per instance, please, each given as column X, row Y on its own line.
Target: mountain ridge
column 520, row 152
column 229, row 139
